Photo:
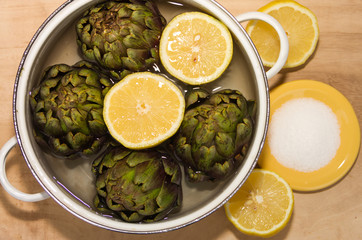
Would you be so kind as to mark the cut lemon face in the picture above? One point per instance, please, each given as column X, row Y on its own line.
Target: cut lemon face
column 143, row 110
column 300, row 25
column 262, row 206
column 196, row 48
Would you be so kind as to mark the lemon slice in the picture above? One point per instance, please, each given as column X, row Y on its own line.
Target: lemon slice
column 300, row 25
column 196, row 48
column 262, row 206
column 143, row 110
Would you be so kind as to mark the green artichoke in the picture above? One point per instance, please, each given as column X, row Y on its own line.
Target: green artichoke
column 138, row 186
column 67, row 109
column 121, row 36
column 215, row 133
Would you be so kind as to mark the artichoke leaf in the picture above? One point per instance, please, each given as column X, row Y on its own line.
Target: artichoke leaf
column 91, row 78
column 224, row 144
column 139, row 54
column 100, row 205
column 40, row 119
column 97, row 127
column 124, row 12
column 166, row 197
column 133, row 217
column 148, row 175
column 109, row 59
column 189, row 125
column 151, row 37
column 206, row 157
column 135, row 40
column 139, row 16
column 150, row 207
column 94, row 148
column 221, row 169
column 38, row 106
column 243, row 132
column 183, row 150
column 33, row 102
column 94, row 95
column 132, row 64
column 136, row 158
column 100, row 186
column 234, row 113
column 113, row 205
column 89, row 53
column 172, row 169
column 196, row 96
column 196, row 176
column 59, row 147
column 76, row 141
column 223, row 121
column 52, row 126
column 203, row 136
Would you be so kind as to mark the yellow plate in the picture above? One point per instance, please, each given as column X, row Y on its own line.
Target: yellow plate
column 350, row 136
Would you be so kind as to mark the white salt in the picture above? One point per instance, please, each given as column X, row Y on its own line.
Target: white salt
column 304, row 134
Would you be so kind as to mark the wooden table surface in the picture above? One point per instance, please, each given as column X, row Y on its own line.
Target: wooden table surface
column 334, row 213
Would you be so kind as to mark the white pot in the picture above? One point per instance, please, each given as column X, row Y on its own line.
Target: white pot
column 70, row 183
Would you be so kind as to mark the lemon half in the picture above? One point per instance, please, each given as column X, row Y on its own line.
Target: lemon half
column 196, row 48
column 143, row 110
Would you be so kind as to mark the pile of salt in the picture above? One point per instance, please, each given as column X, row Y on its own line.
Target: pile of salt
column 304, row 134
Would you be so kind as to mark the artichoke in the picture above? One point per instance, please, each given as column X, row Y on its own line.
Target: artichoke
column 138, row 186
column 67, row 109
column 121, row 36
column 215, row 133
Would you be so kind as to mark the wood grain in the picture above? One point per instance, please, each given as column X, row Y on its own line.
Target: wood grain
column 334, row 213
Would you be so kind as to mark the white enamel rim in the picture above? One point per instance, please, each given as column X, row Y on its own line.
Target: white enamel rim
column 69, row 202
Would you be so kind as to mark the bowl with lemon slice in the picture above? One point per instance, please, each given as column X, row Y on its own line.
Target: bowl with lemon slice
column 201, row 47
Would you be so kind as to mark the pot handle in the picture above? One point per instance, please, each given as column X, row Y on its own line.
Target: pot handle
column 284, row 44
column 26, row 197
